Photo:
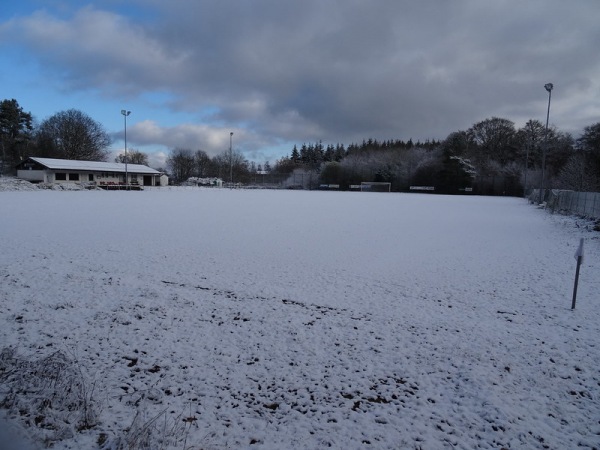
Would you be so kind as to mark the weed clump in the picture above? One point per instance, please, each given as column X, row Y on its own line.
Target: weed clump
column 49, row 393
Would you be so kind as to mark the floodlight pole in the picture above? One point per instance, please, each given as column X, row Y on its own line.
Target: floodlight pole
column 526, row 168
column 231, row 160
column 125, row 114
column 548, row 87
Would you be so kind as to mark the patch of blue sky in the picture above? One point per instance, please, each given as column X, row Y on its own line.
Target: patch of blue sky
column 23, row 8
column 13, row 9
column 21, row 80
column 65, row 9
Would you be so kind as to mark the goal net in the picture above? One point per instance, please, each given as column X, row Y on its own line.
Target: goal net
column 375, row 186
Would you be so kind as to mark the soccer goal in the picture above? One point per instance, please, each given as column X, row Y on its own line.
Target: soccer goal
column 375, row 186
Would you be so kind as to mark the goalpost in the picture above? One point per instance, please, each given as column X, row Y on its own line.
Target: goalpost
column 375, row 186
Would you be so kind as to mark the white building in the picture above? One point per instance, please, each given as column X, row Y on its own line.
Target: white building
column 95, row 173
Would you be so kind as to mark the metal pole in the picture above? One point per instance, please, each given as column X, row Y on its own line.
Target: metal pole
column 126, row 174
column 579, row 257
column 526, row 169
column 230, row 160
column 548, row 87
column 125, row 114
column 576, row 283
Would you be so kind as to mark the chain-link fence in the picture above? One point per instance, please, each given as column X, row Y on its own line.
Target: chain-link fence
column 585, row 204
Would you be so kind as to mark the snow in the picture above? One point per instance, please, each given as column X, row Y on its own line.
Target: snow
column 97, row 166
column 216, row 318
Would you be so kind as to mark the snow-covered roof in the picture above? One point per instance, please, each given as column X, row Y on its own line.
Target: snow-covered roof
column 96, row 166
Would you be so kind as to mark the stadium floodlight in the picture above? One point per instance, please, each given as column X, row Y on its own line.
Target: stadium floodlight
column 125, row 114
column 231, row 160
column 548, row 87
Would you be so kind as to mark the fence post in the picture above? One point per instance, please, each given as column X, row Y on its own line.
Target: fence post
column 579, row 258
column 571, row 195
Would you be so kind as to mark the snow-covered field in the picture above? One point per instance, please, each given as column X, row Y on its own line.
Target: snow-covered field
column 212, row 319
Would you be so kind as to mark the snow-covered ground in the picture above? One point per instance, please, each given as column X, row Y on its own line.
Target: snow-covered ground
column 215, row 318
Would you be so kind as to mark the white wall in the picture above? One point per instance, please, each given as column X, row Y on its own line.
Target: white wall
column 32, row 175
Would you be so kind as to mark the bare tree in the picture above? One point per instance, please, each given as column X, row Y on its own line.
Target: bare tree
column 181, row 164
column 530, row 140
column 73, row 134
column 589, row 145
column 457, row 143
column 493, row 140
column 234, row 162
column 133, row 157
column 201, row 163
column 577, row 176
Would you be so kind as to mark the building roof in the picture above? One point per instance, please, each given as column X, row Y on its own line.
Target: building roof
column 95, row 166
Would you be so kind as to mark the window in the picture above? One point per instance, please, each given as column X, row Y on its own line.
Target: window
column 59, row 176
column 74, row 177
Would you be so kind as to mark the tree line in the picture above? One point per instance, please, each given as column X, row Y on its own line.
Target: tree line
column 491, row 157
column 229, row 166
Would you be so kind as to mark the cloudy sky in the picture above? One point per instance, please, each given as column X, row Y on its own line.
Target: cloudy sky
column 278, row 73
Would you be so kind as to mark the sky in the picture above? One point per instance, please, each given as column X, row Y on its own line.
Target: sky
column 279, row 74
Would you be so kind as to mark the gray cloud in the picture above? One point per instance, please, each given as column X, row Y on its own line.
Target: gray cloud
column 339, row 71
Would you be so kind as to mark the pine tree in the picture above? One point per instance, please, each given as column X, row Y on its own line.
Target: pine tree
column 295, row 157
column 15, row 133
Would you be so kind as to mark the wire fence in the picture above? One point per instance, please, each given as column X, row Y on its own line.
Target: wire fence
column 585, row 204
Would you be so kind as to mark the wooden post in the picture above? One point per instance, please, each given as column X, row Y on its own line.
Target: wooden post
column 579, row 258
